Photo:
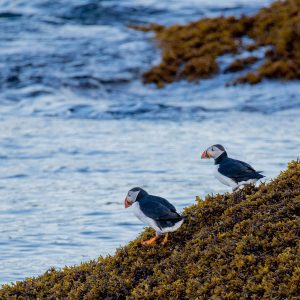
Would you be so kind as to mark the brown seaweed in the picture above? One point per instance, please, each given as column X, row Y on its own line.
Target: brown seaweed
column 241, row 245
column 190, row 51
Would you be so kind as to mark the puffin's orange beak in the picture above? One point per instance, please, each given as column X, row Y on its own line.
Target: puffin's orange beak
column 204, row 155
column 127, row 203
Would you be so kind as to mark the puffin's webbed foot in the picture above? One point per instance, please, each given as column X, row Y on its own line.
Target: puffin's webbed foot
column 165, row 240
column 151, row 241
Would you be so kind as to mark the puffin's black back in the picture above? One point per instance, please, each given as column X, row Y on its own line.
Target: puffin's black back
column 156, row 199
column 161, row 210
column 236, row 169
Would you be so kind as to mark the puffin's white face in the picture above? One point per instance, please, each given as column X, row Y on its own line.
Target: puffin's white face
column 132, row 195
column 131, row 198
column 213, row 152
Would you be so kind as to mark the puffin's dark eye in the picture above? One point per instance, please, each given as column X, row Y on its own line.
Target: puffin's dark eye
column 212, row 149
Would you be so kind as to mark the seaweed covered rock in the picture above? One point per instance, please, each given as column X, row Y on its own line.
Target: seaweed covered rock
column 243, row 245
column 191, row 51
column 240, row 64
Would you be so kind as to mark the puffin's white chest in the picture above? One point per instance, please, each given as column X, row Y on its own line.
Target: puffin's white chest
column 223, row 179
column 142, row 217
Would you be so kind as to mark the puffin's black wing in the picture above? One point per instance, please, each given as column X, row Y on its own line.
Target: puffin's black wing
column 238, row 170
column 156, row 208
column 164, row 202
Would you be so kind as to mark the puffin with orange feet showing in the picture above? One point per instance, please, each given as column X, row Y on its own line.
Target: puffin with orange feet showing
column 155, row 212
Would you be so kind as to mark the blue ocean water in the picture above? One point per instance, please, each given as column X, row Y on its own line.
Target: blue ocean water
column 79, row 129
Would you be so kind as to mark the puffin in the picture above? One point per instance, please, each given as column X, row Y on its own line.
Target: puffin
column 229, row 171
column 155, row 212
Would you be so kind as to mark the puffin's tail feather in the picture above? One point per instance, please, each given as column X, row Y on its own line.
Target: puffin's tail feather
column 260, row 175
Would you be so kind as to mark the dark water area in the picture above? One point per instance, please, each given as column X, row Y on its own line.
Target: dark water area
column 79, row 128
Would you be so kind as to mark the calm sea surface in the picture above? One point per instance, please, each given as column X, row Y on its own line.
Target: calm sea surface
column 78, row 129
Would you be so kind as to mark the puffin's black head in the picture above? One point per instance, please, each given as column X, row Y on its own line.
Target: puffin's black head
column 133, row 195
column 213, row 151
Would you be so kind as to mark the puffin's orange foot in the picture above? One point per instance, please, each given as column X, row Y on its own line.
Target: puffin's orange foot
column 165, row 239
column 149, row 242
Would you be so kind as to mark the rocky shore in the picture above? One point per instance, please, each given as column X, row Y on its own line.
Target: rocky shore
column 191, row 51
